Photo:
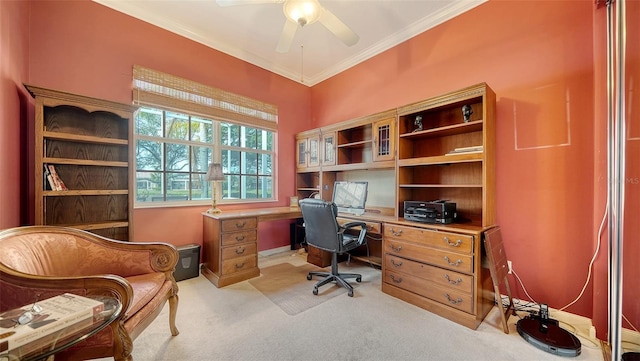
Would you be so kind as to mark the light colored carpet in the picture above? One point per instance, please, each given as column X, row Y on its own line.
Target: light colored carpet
column 287, row 286
column 239, row 323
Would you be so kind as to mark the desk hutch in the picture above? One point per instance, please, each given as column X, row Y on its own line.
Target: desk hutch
column 432, row 153
column 435, row 266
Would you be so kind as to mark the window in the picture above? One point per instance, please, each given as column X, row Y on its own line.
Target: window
column 182, row 126
column 247, row 162
column 174, row 149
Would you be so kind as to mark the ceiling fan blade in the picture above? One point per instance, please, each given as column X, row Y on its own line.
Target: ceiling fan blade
column 246, row 2
column 338, row 28
column 288, row 32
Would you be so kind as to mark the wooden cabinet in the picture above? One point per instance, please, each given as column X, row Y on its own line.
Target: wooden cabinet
column 436, row 151
column 363, row 143
column 88, row 142
column 328, row 148
column 439, row 269
column 384, row 139
column 444, row 155
column 318, row 257
column 308, row 149
column 307, row 184
column 230, row 248
column 449, row 157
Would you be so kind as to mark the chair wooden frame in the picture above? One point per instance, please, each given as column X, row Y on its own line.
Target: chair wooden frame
column 20, row 287
column 499, row 270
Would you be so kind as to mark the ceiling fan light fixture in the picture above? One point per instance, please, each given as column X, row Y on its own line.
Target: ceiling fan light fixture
column 302, row 12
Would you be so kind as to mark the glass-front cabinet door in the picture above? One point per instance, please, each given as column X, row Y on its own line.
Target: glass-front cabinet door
column 383, row 142
column 301, row 153
column 308, row 150
column 314, row 152
column 329, row 148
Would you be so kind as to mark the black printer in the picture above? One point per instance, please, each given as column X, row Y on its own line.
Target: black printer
column 438, row 211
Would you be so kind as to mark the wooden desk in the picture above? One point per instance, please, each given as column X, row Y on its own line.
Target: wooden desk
column 230, row 242
column 371, row 252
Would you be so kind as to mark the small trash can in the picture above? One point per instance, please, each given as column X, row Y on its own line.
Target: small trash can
column 188, row 263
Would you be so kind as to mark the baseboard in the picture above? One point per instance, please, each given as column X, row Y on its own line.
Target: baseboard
column 272, row 251
column 630, row 340
column 576, row 324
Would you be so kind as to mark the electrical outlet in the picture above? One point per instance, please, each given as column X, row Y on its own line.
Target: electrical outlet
column 510, row 265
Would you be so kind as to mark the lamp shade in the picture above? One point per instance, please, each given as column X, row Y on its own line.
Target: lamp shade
column 215, row 172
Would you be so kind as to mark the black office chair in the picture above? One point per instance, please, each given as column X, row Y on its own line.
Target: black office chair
column 323, row 231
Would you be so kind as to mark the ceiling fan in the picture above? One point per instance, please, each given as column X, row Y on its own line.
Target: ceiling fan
column 301, row 13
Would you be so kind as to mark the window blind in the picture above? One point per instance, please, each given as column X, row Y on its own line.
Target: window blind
column 155, row 88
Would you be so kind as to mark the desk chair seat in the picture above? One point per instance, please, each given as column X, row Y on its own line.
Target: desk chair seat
column 323, row 231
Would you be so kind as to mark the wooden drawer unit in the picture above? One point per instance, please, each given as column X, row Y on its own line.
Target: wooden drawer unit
column 437, row 268
column 448, row 296
column 233, row 238
column 237, row 251
column 239, row 224
column 234, row 265
column 434, row 256
column 230, row 249
column 453, row 242
column 318, row 257
column 443, row 277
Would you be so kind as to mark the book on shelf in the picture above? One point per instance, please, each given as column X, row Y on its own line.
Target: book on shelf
column 49, row 179
column 57, row 181
column 467, row 150
column 29, row 325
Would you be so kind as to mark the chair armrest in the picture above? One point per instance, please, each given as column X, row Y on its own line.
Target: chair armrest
column 354, row 224
column 99, row 255
column 20, row 288
column 162, row 257
column 363, row 230
column 158, row 256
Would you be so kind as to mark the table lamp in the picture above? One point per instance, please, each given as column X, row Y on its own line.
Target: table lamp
column 214, row 174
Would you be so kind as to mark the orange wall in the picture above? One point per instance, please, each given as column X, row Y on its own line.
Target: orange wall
column 631, row 269
column 538, row 58
column 543, row 59
column 86, row 48
column 14, row 59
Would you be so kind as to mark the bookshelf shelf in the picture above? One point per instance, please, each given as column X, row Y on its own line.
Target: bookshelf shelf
column 87, row 141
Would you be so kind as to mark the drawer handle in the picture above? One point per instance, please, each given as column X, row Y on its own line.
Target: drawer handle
column 457, row 244
column 395, row 233
column 369, row 228
column 241, row 225
column 240, row 250
column 238, row 266
column 393, row 278
column 240, row 238
column 455, row 264
column 453, row 302
column 451, row 281
column 395, row 249
column 394, row 264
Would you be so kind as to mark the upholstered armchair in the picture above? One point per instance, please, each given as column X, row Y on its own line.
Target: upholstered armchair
column 45, row 261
